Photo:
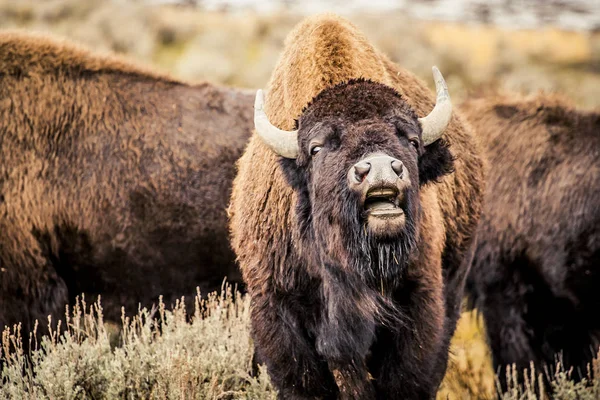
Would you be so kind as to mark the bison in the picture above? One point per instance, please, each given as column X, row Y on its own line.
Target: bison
column 354, row 220
column 536, row 270
column 114, row 181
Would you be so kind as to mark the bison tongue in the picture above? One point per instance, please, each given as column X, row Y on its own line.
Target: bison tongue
column 380, row 205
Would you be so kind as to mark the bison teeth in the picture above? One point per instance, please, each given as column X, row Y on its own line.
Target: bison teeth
column 383, row 192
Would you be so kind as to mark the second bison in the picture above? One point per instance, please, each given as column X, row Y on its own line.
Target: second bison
column 536, row 272
column 114, row 181
column 353, row 221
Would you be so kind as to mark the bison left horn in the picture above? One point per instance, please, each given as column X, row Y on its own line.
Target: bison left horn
column 436, row 122
column 284, row 143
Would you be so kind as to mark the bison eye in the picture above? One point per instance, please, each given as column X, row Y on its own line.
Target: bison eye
column 315, row 149
column 414, row 142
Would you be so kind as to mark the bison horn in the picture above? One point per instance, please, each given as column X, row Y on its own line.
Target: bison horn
column 284, row 143
column 436, row 122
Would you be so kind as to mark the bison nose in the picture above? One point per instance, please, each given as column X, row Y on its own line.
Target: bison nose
column 376, row 169
column 398, row 167
column 361, row 170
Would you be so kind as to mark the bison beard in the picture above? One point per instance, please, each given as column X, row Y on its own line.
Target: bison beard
column 379, row 263
column 387, row 261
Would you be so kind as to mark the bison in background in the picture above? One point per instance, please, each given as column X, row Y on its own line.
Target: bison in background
column 114, row 180
column 536, row 271
column 353, row 222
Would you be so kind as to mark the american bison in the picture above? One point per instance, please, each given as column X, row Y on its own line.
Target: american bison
column 536, row 270
column 114, row 180
column 353, row 222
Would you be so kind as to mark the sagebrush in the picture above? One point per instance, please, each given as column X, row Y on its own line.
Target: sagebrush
column 164, row 353
column 160, row 354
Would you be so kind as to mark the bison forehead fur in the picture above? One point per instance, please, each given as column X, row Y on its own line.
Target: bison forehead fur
column 307, row 307
column 379, row 106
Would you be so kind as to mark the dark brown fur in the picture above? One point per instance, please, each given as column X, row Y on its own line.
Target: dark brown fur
column 323, row 330
column 536, row 273
column 114, row 181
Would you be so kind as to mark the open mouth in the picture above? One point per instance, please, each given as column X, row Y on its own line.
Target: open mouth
column 383, row 202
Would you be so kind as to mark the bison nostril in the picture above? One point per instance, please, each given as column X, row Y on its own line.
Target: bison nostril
column 361, row 170
column 398, row 167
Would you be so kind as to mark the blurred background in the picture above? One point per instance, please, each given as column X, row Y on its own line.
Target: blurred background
column 515, row 45
column 518, row 45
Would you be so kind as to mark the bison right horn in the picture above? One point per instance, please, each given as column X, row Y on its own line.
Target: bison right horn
column 284, row 143
column 436, row 122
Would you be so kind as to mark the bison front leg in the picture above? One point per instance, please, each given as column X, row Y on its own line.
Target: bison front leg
column 399, row 371
column 353, row 381
column 30, row 293
column 283, row 343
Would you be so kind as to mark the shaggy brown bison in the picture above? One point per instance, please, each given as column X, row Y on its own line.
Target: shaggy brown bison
column 354, row 228
column 113, row 180
column 536, row 271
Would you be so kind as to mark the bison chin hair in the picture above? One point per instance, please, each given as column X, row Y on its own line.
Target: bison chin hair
column 343, row 239
column 382, row 262
column 335, row 233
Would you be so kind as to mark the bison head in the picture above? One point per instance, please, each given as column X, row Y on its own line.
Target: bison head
column 357, row 162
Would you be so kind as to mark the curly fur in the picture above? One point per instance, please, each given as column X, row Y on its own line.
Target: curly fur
column 323, row 329
column 535, row 275
column 113, row 180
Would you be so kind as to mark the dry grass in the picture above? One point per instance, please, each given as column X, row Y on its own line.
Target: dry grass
column 164, row 353
column 159, row 355
column 470, row 374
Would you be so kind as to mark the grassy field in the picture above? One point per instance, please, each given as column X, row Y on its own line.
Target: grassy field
column 241, row 48
column 209, row 358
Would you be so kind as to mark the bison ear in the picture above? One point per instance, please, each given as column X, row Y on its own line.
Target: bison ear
column 436, row 161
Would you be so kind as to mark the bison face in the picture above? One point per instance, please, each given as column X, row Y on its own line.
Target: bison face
column 358, row 165
column 359, row 147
